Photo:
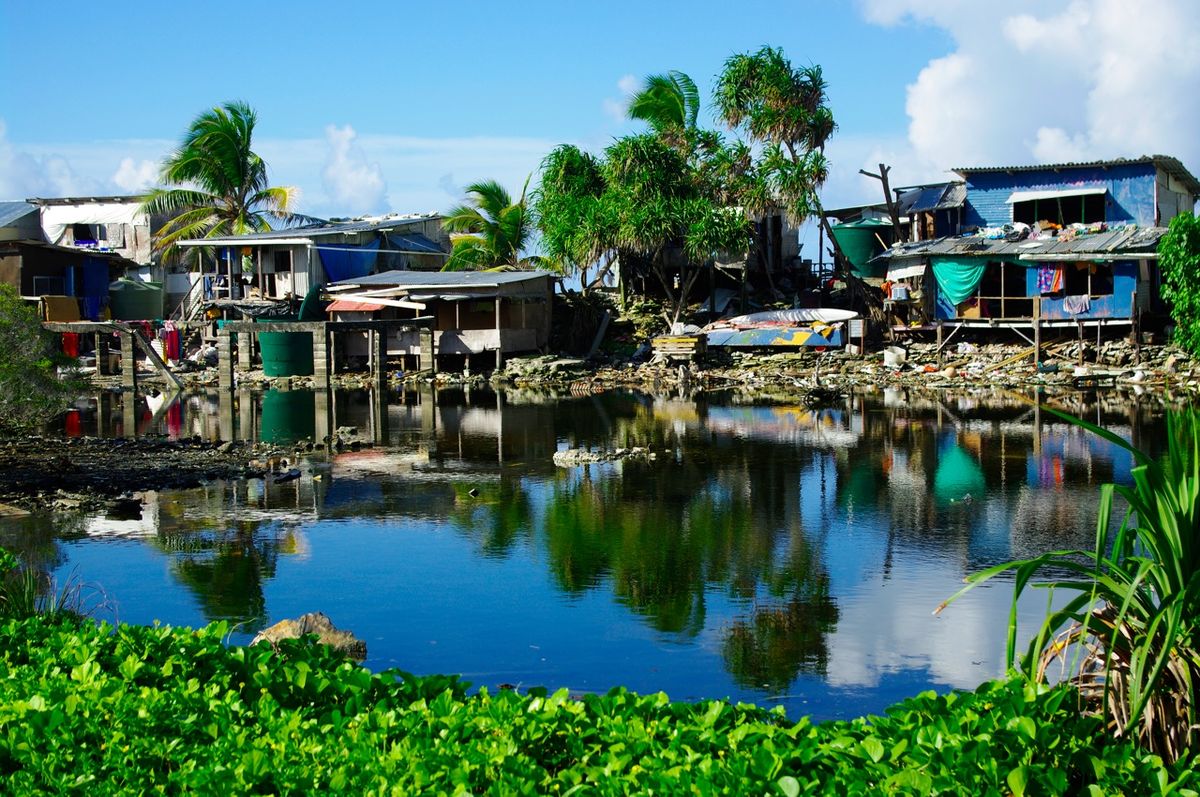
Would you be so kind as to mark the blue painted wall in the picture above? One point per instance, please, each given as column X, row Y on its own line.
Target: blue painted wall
column 1117, row 305
column 1130, row 195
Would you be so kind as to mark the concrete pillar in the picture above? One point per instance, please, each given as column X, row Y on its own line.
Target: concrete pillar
column 224, row 362
column 128, row 367
column 129, row 402
column 378, row 342
column 245, row 348
column 322, row 422
column 321, row 357
column 246, row 407
column 225, row 410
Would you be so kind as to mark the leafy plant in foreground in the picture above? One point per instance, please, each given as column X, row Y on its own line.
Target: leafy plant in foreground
column 134, row 709
column 1127, row 638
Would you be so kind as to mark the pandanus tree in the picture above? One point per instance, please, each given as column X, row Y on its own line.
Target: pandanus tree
column 490, row 230
column 216, row 185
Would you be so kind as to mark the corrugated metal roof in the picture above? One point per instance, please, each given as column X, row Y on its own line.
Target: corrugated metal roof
column 447, row 279
column 321, row 230
column 11, row 211
column 928, row 198
column 1170, row 165
column 1130, row 240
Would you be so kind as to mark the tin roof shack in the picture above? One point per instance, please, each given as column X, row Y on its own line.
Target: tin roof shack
column 474, row 312
column 290, row 262
column 76, row 276
column 1148, row 191
column 114, row 224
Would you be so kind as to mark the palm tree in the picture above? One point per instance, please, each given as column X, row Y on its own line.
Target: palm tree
column 668, row 103
column 216, row 184
column 491, row 229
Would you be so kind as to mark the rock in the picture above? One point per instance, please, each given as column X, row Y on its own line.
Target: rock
column 226, row 447
column 314, row 623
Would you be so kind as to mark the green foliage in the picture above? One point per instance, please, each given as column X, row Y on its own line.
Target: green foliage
column 669, row 102
column 784, row 109
column 220, row 184
column 493, row 230
column 1179, row 260
column 26, row 592
column 31, row 392
column 1129, row 635
column 138, row 709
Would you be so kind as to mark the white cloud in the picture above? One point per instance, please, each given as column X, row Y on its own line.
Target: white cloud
column 1052, row 80
column 616, row 108
column 349, row 178
column 135, row 176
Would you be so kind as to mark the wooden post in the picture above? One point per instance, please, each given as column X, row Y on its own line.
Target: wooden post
column 102, row 353
column 499, row 338
column 129, row 414
column 128, row 366
column 1037, row 332
column 939, row 342
column 1079, row 324
column 428, row 355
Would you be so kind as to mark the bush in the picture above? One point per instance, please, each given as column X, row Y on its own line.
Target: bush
column 1179, row 261
column 30, row 390
column 138, row 709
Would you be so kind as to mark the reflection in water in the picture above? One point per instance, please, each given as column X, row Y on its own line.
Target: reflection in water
column 766, row 550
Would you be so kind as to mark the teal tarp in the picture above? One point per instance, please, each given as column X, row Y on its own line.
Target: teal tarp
column 958, row 279
column 957, row 476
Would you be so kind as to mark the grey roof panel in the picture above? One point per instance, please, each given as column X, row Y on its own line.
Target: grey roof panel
column 11, row 211
column 450, row 279
column 320, row 230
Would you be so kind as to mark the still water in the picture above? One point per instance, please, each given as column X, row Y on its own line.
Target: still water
column 769, row 553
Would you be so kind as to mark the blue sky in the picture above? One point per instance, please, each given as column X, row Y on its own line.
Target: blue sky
column 369, row 107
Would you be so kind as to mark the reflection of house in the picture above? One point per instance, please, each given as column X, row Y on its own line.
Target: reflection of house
column 71, row 248
column 474, row 312
column 289, row 262
column 1050, row 245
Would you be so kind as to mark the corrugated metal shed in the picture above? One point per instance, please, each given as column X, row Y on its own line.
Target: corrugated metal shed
column 1130, row 240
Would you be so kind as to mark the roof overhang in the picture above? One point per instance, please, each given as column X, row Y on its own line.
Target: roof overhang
column 1055, row 193
column 246, row 242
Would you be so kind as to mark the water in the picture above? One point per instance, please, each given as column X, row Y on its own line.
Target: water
column 770, row 553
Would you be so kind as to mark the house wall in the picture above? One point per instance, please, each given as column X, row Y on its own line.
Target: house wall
column 1118, row 304
column 1173, row 199
column 1131, row 192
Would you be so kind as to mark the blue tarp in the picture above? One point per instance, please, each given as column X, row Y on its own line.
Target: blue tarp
column 347, row 261
column 95, row 287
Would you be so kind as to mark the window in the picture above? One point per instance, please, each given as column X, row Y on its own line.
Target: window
column 48, row 286
column 283, row 261
column 1091, row 279
column 1063, row 210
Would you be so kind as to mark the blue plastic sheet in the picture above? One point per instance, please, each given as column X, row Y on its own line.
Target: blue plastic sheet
column 347, row 261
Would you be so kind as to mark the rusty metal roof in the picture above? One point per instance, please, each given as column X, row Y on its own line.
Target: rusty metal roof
column 1131, row 239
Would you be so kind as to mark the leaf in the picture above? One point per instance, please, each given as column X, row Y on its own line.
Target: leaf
column 873, row 748
column 789, row 786
column 1017, row 780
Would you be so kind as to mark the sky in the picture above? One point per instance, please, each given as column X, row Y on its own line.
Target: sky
column 372, row 107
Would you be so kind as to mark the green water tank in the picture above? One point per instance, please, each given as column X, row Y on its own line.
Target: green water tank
column 286, row 353
column 134, row 300
column 860, row 241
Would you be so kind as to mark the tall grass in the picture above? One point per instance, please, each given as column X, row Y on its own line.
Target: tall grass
column 1128, row 636
column 25, row 592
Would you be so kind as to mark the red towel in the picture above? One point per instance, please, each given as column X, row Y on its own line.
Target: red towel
column 70, row 344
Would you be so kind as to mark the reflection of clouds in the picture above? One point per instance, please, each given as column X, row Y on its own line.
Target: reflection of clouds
column 888, row 627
